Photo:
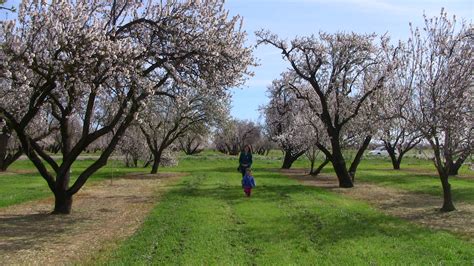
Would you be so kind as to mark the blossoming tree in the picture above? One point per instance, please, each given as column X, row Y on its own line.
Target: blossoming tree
column 442, row 95
column 231, row 135
column 283, row 121
column 163, row 120
column 99, row 61
column 396, row 127
column 335, row 74
column 194, row 141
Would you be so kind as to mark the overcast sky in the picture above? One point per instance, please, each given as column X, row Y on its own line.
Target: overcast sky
column 290, row 18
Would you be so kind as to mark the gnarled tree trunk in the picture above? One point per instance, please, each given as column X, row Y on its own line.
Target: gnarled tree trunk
column 62, row 202
column 62, row 198
column 339, row 165
column 454, row 166
column 290, row 159
column 6, row 158
column 404, row 147
column 447, row 196
column 9, row 159
column 156, row 161
column 443, row 172
column 3, row 150
column 393, row 157
column 320, row 167
column 355, row 163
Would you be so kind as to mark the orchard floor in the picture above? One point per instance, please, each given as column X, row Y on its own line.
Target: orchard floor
column 103, row 214
column 206, row 209
column 415, row 207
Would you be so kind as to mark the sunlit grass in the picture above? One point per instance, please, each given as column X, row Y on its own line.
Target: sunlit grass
column 23, row 183
column 206, row 219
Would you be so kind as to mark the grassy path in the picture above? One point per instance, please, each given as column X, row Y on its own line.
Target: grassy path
column 206, row 220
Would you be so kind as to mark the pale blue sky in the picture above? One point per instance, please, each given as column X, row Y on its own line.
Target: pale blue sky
column 290, row 18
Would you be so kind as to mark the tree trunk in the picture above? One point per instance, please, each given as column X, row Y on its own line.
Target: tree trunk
column 454, row 170
column 148, row 161
column 454, row 166
column 156, row 162
column 393, row 157
column 443, row 172
column 3, row 151
column 10, row 159
column 320, row 167
column 127, row 161
column 339, row 164
column 396, row 164
column 447, row 196
column 62, row 202
column 396, row 161
column 312, row 166
column 342, row 174
column 355, row 163
column 290, row 159
column 404, row 148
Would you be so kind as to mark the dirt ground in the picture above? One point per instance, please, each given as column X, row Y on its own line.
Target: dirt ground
column 102, row 215
column 418, row 208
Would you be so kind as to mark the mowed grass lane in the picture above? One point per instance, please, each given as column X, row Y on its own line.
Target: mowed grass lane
column 205, row 219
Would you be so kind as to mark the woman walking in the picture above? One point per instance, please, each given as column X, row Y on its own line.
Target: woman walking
column 245, row 159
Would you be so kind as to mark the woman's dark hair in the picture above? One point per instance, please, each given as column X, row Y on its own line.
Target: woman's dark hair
column 249, row 146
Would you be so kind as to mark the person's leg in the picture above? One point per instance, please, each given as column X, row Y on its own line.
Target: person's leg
column 247, row 191
column 250, row 191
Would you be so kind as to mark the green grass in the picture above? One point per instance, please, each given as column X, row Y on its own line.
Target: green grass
column 17, row 188
column 461, row 189
column 205, row 219
column 416, row 175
